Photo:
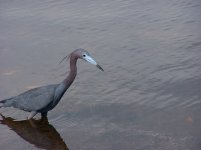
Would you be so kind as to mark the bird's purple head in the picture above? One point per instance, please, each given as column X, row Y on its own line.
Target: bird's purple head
column 84, row 54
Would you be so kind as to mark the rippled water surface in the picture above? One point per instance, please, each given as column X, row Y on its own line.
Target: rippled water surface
column 148, row 98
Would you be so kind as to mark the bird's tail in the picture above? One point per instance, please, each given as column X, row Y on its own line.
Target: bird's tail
column 5, row 102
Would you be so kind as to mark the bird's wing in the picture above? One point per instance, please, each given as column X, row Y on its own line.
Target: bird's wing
column 35, row 99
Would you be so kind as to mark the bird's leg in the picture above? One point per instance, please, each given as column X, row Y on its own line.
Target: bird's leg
column 44, row 114
column 32, row 114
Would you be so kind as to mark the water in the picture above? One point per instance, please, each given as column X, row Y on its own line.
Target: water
column 149, row 96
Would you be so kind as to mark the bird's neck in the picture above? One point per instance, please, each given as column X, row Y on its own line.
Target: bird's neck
column 64, row 85
column 73, row 72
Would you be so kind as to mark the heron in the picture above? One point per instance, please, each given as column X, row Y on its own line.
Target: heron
column 45, row 98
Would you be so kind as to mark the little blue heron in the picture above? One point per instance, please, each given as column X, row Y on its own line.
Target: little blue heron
column 45, row 98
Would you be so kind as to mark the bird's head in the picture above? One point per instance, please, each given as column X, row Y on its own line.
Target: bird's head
column 84, row 54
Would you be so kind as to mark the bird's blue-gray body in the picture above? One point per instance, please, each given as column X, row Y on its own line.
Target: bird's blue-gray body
column 41, row 99
column 45, row 98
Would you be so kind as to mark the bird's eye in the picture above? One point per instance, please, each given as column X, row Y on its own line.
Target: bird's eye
column 84, row 55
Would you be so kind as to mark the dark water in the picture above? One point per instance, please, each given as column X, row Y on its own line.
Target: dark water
column 148, row 98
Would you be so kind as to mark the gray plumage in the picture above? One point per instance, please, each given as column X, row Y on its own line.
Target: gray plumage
column 45, row 98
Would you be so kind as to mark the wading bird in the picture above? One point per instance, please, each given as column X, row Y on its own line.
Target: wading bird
column 45, row 98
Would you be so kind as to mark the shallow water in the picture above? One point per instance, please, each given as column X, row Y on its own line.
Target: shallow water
column 149, row 96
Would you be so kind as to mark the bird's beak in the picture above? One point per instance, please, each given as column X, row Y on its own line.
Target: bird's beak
column 99, row 67
column 93, row 62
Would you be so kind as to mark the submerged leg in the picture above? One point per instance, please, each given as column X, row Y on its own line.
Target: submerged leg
column 32, row 114
column 44, row 114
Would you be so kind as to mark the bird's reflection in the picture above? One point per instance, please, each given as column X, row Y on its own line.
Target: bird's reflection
column 38, row 132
